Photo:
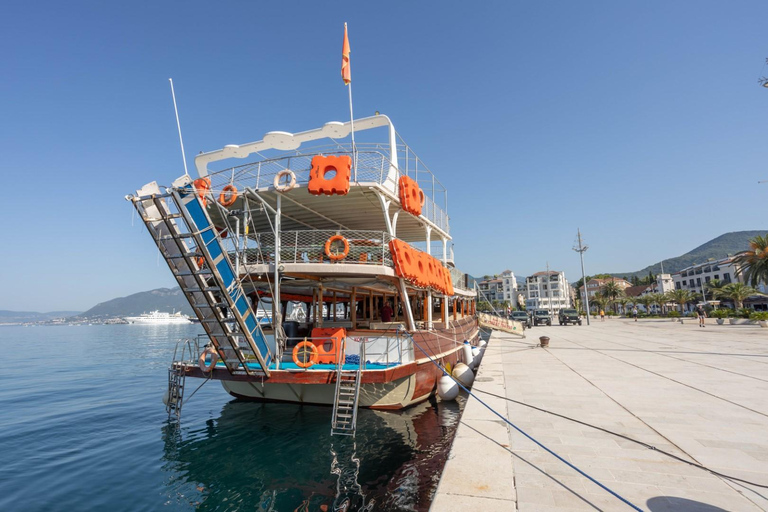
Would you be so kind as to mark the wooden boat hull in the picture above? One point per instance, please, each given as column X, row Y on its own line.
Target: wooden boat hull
column 394, row 388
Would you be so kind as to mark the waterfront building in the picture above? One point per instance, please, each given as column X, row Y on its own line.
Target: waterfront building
column 726, row 270
column 595, row 284
column 502, row 288
column 547, row 290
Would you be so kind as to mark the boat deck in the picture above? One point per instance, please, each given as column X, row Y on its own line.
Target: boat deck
column 700, row 394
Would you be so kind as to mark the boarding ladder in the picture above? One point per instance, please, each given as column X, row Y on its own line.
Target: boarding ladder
column 177, row 375
column 345, row 402
column 195, row 253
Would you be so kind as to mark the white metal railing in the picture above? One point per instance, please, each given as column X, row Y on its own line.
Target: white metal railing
column 365, row 247
column 372, row 165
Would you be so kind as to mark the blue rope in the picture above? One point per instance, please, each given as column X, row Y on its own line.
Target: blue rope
column 524, row 433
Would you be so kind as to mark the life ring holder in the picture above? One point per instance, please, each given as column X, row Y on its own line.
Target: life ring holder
column 343, row 254
column 284, row 187
column 313, row 354
column 214, row 359
column 228, row 195
column 422, row 198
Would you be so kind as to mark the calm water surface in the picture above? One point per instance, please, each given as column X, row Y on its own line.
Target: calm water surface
column 83, row 428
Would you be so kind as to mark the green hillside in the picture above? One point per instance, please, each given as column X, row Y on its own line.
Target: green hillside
column 162, row 299
column 720, row 247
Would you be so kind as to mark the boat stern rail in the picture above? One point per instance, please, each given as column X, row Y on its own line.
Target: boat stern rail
column 371, row 165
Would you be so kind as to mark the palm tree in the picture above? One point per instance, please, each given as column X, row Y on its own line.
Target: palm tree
column 623, row 301
column 753, row 264
column 612, row 290
column 660, row 299
column 715, row 288
column 682, row 297
column 738, row 292
column 601, row 300
column 646, row 301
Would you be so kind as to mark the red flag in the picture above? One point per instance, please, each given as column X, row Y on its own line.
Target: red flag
column 346, row 72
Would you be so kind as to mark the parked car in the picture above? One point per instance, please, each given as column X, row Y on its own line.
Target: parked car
column 541, row 316
column 568, row 316
column 522, row 317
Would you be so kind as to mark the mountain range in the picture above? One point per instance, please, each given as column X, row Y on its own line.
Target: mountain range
column 717, row 248
column 161, row 299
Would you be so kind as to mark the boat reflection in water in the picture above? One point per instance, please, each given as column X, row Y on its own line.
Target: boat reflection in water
column 281, row 457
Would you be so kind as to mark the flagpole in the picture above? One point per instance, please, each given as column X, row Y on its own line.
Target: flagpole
column 351, row 115
column 352, row 125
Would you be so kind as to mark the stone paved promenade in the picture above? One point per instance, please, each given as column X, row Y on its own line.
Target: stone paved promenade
column 699, row 393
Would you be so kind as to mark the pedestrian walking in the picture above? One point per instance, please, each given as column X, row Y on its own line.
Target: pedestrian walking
column 702, row 315
column 602, row 315
column 634, row 313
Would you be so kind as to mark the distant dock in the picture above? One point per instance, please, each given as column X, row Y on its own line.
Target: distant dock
column 699, row 394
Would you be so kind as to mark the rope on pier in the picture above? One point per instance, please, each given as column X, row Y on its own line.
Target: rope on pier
column 581, row 472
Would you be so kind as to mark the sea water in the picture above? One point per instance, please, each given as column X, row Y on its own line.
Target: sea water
column 83, row 427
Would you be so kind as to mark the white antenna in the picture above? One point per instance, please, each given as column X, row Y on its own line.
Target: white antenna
column 173, row 94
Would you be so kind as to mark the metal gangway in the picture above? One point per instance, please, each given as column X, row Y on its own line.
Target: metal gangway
column 191, row 246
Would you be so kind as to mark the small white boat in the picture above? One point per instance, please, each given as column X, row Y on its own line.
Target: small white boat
column 159, row 318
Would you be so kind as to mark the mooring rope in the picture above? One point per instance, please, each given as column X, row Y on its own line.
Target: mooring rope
column 506, row 420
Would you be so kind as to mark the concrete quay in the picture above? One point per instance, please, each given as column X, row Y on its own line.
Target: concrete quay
column 698, row 393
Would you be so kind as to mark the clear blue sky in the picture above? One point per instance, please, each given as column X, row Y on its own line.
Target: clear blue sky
column 642, row 123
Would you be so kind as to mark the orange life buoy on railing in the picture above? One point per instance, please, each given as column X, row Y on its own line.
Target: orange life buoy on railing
column 336, row 256
column 214, row 359
column 202, row 185
column 200, row 261
column 329, row 175
column 301, row 351
column 411, row 196
column 228, row 195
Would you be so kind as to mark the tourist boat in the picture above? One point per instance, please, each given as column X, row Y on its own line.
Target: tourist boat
column 159, row 318
column 335, row 231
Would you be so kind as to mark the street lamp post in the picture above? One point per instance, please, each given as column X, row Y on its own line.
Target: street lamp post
column 580, row 249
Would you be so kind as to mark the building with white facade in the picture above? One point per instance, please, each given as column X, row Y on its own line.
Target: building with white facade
column 696, row 276
column 502, row 288
column 547, row 290
column 726, row 270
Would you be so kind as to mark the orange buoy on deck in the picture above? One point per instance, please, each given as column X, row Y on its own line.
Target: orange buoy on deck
column 330, row 175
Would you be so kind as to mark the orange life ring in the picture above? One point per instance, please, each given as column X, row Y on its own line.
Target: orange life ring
column 310, row 349
column 343, row 254
column 200, row 261
column 214, row 359
column 228, row 195
column 422, row 198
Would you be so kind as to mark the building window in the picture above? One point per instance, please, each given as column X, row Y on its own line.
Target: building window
column 706, row 279
column 717, row 276
column 684, row 283
column 677, row 285
column 698, row 281
column 727, row 277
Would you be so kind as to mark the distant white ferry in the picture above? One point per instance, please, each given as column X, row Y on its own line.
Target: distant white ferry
column 159, row 318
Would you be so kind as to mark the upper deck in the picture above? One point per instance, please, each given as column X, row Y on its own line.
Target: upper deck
column 376, row 170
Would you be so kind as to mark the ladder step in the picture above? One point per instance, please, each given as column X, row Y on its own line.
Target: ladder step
column 184, row 256
column 176, row 236
column 205, row 272
column 206, row 305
